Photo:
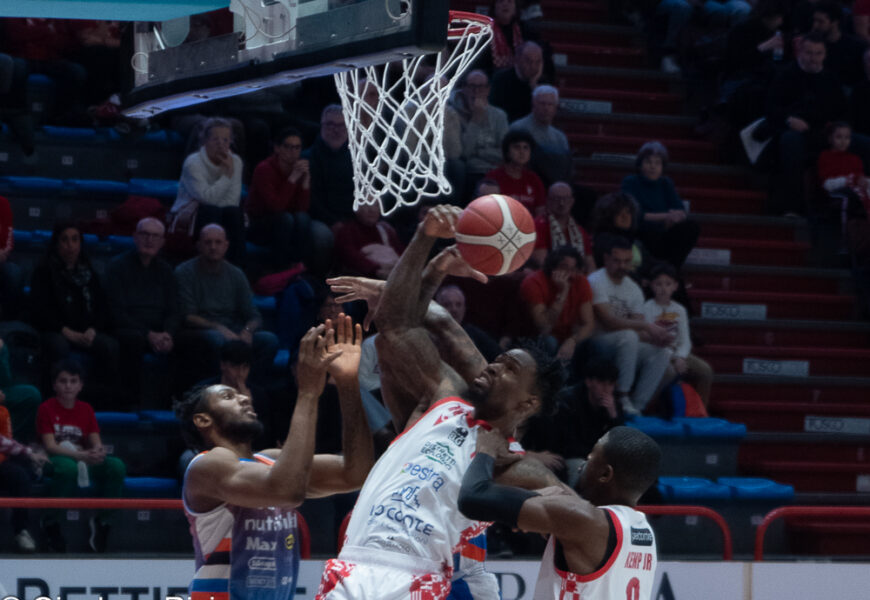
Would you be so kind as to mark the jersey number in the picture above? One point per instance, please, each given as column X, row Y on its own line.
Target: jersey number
column 632, row 590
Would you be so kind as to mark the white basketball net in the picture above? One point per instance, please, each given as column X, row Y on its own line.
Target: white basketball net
column 395, row 119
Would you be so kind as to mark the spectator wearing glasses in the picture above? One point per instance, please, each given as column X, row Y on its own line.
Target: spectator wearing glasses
column 143, row 300
column 331, row 169
column 278, row 205
column 483, row 127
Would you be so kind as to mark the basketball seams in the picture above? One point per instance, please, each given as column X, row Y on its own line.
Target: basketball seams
column 490, row 234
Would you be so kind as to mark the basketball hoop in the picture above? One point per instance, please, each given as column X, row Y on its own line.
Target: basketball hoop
column 395, row 117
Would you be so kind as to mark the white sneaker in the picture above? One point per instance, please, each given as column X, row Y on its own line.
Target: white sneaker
column 669, row 65
column 25, row 542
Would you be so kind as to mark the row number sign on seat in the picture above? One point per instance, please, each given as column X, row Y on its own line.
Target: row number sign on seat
column 780, row 368
column 841, row 425
column 739, row 312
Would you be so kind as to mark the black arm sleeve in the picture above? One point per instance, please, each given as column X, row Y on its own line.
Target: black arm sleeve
column 482, row 499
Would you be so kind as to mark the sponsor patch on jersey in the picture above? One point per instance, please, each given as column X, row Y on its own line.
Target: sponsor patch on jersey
column 458, row 436
column 439, row 452
column 641, row 537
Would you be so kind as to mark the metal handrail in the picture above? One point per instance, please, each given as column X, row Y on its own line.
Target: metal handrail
column 803, row 511
column 699, row 511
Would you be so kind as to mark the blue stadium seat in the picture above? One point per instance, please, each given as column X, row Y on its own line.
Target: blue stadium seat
column 99, row 186
column 155, row 188
column 40, row 236
column 265, row 303
column 712, row 428
column 692, row 489
column 167, row 137
column 34, row 184
column 22, row 237
column 151, row 487
column 70, row 133
column 658, row 428
column 117, row 420
column 162, row 417
column 121, row 243
column 36, row 80
column 758, row 488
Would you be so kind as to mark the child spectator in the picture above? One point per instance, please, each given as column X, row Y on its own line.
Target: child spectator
column 71, row 436
column 663, row 311
column 840, row 170
column 514, row 177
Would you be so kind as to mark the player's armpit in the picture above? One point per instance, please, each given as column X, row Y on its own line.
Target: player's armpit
column 412, row 373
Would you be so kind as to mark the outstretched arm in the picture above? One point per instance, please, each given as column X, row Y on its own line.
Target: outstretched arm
column 333, row 473
column 219, row 476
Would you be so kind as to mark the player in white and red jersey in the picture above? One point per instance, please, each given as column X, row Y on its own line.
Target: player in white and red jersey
column 241, row 505
column 600, row 547
column 405, row 526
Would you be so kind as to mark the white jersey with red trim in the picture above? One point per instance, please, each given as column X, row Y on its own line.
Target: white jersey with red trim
column 628, row 573
column 408, row 503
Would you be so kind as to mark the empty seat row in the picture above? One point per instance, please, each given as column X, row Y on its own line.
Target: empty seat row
column 698, row 489
column 689, row 428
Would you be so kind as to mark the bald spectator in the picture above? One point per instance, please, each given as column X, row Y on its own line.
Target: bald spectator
column 143, row 300
column 278, row 206
column 217, row 306
column 551, row 157
column 211, row 185
column 512, row 88
column 557, row 228
column 483, row 126
column 452, row 298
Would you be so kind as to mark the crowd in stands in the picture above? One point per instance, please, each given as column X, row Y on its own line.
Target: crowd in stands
column 603, row 290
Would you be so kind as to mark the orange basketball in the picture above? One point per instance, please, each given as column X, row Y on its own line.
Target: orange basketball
column 495, row 234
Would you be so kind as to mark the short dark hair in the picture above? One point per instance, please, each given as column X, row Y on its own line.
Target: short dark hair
column 512, row 137
column 771, row 8
column 194, row 401
column 653, row 148
column 549, row 375
column 237, row 352
column 67, row 365
column 284, row 133
column 833, row 10
column 608, row 242
column 601, row 370
column 664, row 268
column 634, row 456
column 555, row 256
column 835, row 125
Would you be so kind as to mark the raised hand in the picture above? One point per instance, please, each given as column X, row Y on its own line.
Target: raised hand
column 440, row 221
column 358, row 288
column 348, row 347
column 450, row 262
column 314, row 359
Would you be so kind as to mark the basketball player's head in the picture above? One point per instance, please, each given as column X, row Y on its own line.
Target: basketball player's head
column 217, row 413
column 516, row 385
column 623, row 464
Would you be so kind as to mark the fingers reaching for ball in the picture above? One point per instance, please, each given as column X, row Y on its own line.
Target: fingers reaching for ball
column 440, row 221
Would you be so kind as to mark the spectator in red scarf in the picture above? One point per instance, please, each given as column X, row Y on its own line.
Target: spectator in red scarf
column 557, row 228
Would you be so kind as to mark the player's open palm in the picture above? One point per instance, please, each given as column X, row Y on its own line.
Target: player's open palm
column 314, row 358
column 347, row 343
column 450, row 261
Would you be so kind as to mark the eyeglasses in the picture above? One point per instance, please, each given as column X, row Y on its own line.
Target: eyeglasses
column 292, row 146
column 334, row 124
column 477, row 86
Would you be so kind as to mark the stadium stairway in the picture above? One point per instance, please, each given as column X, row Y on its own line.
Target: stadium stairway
column 777, row 320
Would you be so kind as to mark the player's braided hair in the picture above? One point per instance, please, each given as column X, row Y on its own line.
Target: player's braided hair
column 194, row 401
column 549, row 377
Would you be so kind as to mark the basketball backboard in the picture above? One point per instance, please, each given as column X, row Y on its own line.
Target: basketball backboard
column 267, row 43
